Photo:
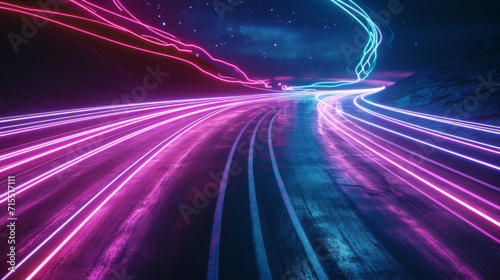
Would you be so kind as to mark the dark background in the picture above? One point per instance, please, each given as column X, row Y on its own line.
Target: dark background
column 60, row 68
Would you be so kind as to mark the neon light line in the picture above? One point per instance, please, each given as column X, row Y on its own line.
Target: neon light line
column 429, row 131
column 77, row 229
column 457, row 122
column 323, row 113
column 29, row 184
column 254, row 82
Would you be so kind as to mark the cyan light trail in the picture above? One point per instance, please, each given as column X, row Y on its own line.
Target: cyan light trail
column 368, row 58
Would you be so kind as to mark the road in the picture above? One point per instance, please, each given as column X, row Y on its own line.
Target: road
column 275, row 186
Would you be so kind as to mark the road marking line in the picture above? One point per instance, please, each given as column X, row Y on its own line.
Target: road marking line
column 311, row 255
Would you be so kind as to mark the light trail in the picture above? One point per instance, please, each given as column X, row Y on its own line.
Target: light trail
column 263, row 269
column 213, row 105
column 166, row 143
column 456, row 122
column 99, row 131
column 363, row 142
column 110, row 107
column 29, row 184
column 444, row 166
column 496, row 167
column 417, row 166
column 107, row 22
column 365, row 66
column 456, row 139
column 440, row 188
column 140, row 107
column 103, row 130
column 474, row 202
column 72, row 120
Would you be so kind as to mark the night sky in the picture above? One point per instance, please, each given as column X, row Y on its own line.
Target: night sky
column 303, row 39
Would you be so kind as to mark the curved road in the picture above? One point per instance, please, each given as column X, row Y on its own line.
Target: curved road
column 271, row 186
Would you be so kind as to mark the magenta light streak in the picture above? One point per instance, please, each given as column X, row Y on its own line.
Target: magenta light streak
column 213, row 261
column 125, row 113
column 65, row 166
column 323, row 112
column 93, row 115
column 467, row 124
column 13, row 126
column 425, row 143
column 98, row 108
column 146, row 104
column 166, row 36
column 364, row 152
column 284, row 78
column 178, row 133
column 103, row 189
column 63, row 112
column 425, row 171
column 426, row 159
column 242, row 101
column 157, row 31
column 72, row 120
column 169, row 104
column 110, row 25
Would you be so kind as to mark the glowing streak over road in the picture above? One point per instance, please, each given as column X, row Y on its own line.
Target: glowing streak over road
column 220, row 104
column 103, row 130
column 29, row 184
column 496, row 167
column 311, row 254
column 163, row 147
column 324, row 108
